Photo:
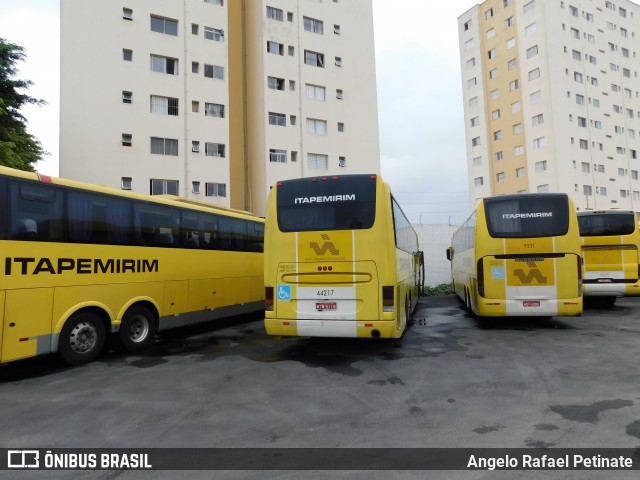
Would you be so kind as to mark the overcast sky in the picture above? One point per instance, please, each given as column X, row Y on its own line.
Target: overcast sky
column 420, row 112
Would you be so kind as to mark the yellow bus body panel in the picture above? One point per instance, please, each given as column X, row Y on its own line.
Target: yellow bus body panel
column 611, row 258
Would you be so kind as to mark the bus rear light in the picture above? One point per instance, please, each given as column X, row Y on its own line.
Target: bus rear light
column 481, row 278
column 286, row 324
column 335, row 178
column 268, row 299
column 368, row 325
column 373, row 177
column 388, row 299
column 324, row 179
column 279, row 184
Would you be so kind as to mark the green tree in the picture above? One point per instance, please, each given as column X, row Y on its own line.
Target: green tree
column 18, row 148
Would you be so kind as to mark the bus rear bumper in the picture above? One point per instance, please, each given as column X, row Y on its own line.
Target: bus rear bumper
column 330, row 328
column 612, row 289
column 529, row 307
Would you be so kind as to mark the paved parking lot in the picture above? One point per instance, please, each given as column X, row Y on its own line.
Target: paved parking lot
column 450, row 382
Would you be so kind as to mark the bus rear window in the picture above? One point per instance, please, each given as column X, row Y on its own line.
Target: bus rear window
column 525, row 216
column 601, row 224
column 348, row 203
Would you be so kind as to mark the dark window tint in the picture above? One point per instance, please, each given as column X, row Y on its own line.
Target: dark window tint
column 348, row 203
column 406, row 238
column 524, row 216
column 156, row 225
column 36, row 212
column 600, row 224
column 95, row 218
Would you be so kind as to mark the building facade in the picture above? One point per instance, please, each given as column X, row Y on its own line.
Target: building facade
column 216, row 100
column 551, row 99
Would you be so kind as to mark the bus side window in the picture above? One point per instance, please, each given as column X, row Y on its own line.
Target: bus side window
column 36, row 211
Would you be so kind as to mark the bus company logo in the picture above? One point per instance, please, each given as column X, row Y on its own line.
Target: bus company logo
column 327, row 245
column 512, row 216
column 325, row 199
column 23, row 459
column 534, row 274
column 59, row 266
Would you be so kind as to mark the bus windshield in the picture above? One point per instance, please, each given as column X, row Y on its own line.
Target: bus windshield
column 600, row 224
column 527, row 216
column 326, row 204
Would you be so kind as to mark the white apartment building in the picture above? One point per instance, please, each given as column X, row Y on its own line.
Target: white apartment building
column 551, row 99
column 216, row 100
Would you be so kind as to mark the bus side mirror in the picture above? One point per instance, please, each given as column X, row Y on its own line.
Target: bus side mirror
column 449, row 253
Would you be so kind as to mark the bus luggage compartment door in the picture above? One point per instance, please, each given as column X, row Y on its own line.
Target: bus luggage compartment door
column 26, row 328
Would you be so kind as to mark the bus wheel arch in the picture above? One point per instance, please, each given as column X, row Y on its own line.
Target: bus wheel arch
column 138, row 326
column 83, row 336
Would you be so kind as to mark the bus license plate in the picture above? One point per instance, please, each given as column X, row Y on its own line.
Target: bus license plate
column 326, row 306
column 605, row 280
column 531, row 303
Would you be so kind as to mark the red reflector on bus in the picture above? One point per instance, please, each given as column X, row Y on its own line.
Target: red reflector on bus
column 44, row 178
column 268, row 298
column 324, row 179
column 286, row 324
column 368, row 325
column 373, row 177
column 335, row 178
column 279, row 184
column 314, row 179
column 24, row 339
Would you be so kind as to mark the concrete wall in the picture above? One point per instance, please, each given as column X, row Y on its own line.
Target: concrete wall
column 434, row 240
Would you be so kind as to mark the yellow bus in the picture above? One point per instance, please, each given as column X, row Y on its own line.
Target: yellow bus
column 341, row 259
column 81, row 263
column 610, row 244
column 519, row 255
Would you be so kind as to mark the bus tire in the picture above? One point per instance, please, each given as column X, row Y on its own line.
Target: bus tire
column 138, row 329
column 82, row 338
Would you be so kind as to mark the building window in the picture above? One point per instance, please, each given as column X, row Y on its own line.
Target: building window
column 575, row 33
column 586, row 167
column 576, row 55
column 342, row 161
column 195, row 67
column 340, row 127
column 468, row 45
column 164, row 65
column 292, row 50
column 316, row 127
column 512, row 64
column 533, row 74
column 488, row 14
column 126, row 183
column 528, row 7
column 338, row 61
column 214, row 34
column 603, row 191
column 541, row 166
column 195, row 187
column 511, row 43
column 277, row 155
column 127, row 14
column 471, row 62
column 543, row 188
column 517, row 128
column 475, row 121
column 279, row 119
column 508, row 22
column 164, row 25
column 477, row 161
column 215, row 2
column 475, row 141
column 339, row 94
column 313, row 25
column 577, row 76
column 520, row 172
column 214, row 110
column 195, row 146
column 499, row 156
column 195, row 106
column 497, row 135
column 214, row 149
column 164, row 105
column 584, row 144
column 214, row 71
column 292, row 120
column 314, row 59
column 215, row 189
column 539, row 143
column 530, row 29
column 275, row 48
column 195, row 29
column 580, row 99
column 317, row 161
column 536, row 97
column 519, row 150
column 537, row 120
column 294, row 156
column 493, row 73
column 163, row 187
column 164, row 146
column 582, row 122
column 500, row 177
column 622, row 172
column 127, row 139
column 275, row 14
column 491, row 53
column 515, row 107
column 127, row 55
column 495, row 114
column 275, row 83
column 127, row 97
column 478, row 181
column 513, row 85
column 532, row 51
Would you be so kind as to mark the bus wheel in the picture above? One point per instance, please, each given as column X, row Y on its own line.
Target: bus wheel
column 82, row 338
column 137, row 329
